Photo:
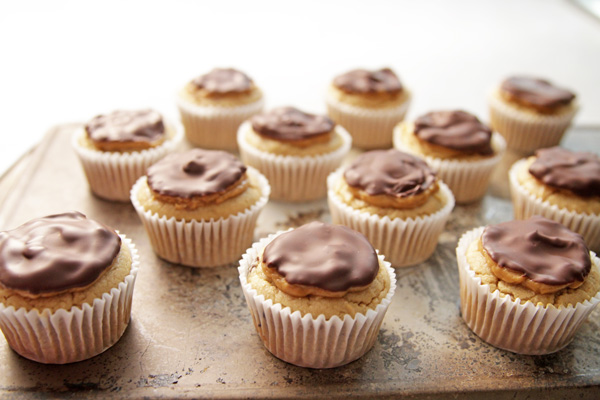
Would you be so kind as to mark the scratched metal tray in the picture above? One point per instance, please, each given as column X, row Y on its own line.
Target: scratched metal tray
column 191, row 334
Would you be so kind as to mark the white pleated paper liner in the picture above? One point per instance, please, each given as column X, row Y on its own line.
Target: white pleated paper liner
column 508, row 324
column 112, row 174
column 202, row 243
column 369, row 128
column 308, row 341
column 215, row 127
column 524, row 131
column 67, row 336
column 294, row 178
column 526, row 205
column 468, row 180
column 404, row 242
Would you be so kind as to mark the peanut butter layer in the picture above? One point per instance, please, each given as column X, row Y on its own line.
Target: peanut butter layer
column 126, row 130
column 222, row 87
column 455, row 130
column 480, row 262
column 317, row 258
column 562, row 198
column 391, row 178
column 290, row 149
column 537, row 94
column 538, row 253
column 292, row 126
column 196, row 178
column 54, row 254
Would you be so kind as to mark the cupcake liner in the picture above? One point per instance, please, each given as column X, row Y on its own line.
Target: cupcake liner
column 526, row 205
column 468, row 180
column 201, row 243
column 294, row 178
column 67, row 336
column 309, row 341
column 370, row 128
column 404, row 242
column 215, row 127
column 508, row 324
column 526, row 131
column 112, row 174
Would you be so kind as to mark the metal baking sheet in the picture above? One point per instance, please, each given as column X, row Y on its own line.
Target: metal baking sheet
column 191, row 334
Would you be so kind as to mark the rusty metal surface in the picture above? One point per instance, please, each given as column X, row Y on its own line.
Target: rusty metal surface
column 191, row 334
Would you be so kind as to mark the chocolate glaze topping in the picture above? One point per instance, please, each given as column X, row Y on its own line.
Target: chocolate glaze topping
column 224, row 80
column 390, row 172
column 363, row 81
column 543, row 250
column 196, row 172
column 536, row 92
column 126, row 126
column 575, row 171
column 291, row 124
column 457, row 130
column 330, row 257
column 56, row 253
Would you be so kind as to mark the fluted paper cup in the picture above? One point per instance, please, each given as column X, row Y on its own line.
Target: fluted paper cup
column 526, row 205
column 524, row 131
column 112, row 174
column 468, row 180
column 294, row 178
column 506, row 323
column 215, row 127
column 404, row 242
column 311, row 341
column 370, row 128
column 201, row 243
column 66, row 336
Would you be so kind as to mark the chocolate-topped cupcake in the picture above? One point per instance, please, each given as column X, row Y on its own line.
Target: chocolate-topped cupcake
column 66, row 284
column 313, row 282
column 561, row 185
column 531, row 113
column 531, row 282
column 369, row 104
column 187, row 200
column 395, row 199
column 295, row 150
column 116, row 148
column 213, row 106
column 459, row 147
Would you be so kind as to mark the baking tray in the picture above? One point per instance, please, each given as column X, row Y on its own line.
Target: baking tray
column 192, row 336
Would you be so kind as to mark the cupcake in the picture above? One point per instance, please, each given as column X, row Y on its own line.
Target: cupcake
column 369, row 104
column 115, row 149
column 213, row 106
column 200, row 207
column 66, row 284
column 294, row 150
column 531, row 113
column 317, row 294
column 526, row 286
column 462, row 150
column 396, row 200
column 561, row 185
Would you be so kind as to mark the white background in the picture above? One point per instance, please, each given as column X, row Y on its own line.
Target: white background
column 66, row 61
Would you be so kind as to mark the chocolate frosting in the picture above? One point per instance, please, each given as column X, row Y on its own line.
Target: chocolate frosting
column 575, row 171
column 126, row 126
column 543, row 250
column 457, row 130
column 536, row 92
column 56, row 253
column 330, row 257
column 390, row 172
column 223, row 81
column 291, row 124
column 196, row 172
column 363, row 81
